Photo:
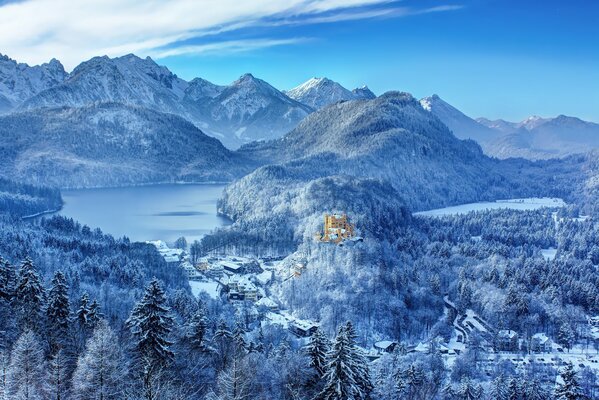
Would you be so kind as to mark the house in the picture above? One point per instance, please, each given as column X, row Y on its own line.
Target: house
column 540, row 343
column 240, row 288
column 302, row 328
column 215, row 271
column 506, row 340
column 385, row 346
column 269, row 303
column 232, row 267
column 191, row 272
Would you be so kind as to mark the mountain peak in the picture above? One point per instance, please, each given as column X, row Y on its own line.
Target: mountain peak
column 320, row 92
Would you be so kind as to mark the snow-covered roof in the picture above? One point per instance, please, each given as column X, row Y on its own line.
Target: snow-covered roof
column 507, row 333
column 384, row 344
column 541, row 337
column 267, row 302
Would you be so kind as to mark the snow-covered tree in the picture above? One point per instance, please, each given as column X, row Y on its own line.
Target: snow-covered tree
column 95, row 315
column 101, row 370
column 317, row 350
column 222, row 338
column 196, row 328
column 29, row 297
column 346, row 373
column 566, row 336
column 234, row 383
column 534, row 390
column 58, row 312
column 568, row 389
column 58, row 374
column 27, row 370
column 151, row 324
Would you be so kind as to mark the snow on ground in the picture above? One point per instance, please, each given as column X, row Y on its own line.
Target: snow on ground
column 549, row 253
column 532, row 203
column 210, row 287
column 470, row 314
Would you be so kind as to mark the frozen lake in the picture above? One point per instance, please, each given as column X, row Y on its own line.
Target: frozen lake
column 142, row 213
column 514, row 204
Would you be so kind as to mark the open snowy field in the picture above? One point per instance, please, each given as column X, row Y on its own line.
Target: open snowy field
column 532, row 203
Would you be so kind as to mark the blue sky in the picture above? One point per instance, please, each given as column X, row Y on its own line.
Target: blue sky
column 499, row 59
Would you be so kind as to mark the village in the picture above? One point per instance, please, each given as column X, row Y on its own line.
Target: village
column 247, row 284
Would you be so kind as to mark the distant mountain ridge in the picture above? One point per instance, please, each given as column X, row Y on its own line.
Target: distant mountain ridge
column 533, row 138
column 18, row 82
column 320, row 92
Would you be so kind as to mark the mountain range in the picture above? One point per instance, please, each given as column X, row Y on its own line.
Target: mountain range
column 533, row 138
column 320, row 92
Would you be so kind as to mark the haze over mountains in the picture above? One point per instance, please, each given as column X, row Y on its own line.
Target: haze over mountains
column 533, row 138
column 138, row 122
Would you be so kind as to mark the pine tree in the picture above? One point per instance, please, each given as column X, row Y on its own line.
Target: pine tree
column 234, row 383
column 95, row 315
column 346, row 374
column 196, row 328
column 58, row 312
column 239, row 339
column 4, row 365
column 151, row 323
column 26, row 373
column 513, row 390
column 317, row 350
column 360, row 361
column 467, row 390
column 535, row 391
column 58, row 368
column 499, row 388
column 82, row 314
column 569, row 389
column 566, row 336
column 8, row 280
column 29, row 296
column 223, row 340
column 101, row 370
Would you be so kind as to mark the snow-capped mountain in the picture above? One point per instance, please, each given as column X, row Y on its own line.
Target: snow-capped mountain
column 129, row 80
column 249, row 109
column 462, row 126
column 19, row 81
column 108, row 144
column 320, row 92
column 541, row 138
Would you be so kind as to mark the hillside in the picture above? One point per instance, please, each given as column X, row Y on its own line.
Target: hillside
column 110, row 144
column 392, row 140
column 462, row 126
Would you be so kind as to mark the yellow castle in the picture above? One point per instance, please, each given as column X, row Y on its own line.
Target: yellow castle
column 336, row 228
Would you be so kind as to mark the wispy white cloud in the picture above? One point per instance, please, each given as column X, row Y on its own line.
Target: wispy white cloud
column 35, row 31
column 225, row 47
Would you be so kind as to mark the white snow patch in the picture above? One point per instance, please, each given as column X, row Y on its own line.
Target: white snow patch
column 532, row 203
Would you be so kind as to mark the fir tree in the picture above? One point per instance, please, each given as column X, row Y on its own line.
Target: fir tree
column 26, row 373
column 535, row 391
column 569, row 389
column 95, row 315
column 223, row 340
column 345, row 376
column 82, row 314
column 239, row 339
column 151, row 323
column 29, row 296
column 468, row 390
column 8, row 280
column 499, row 388
column 101, row 370
column 566, row 336
column 58, row 312
column 196, row 328
column 317, row 350
column 513, row 389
